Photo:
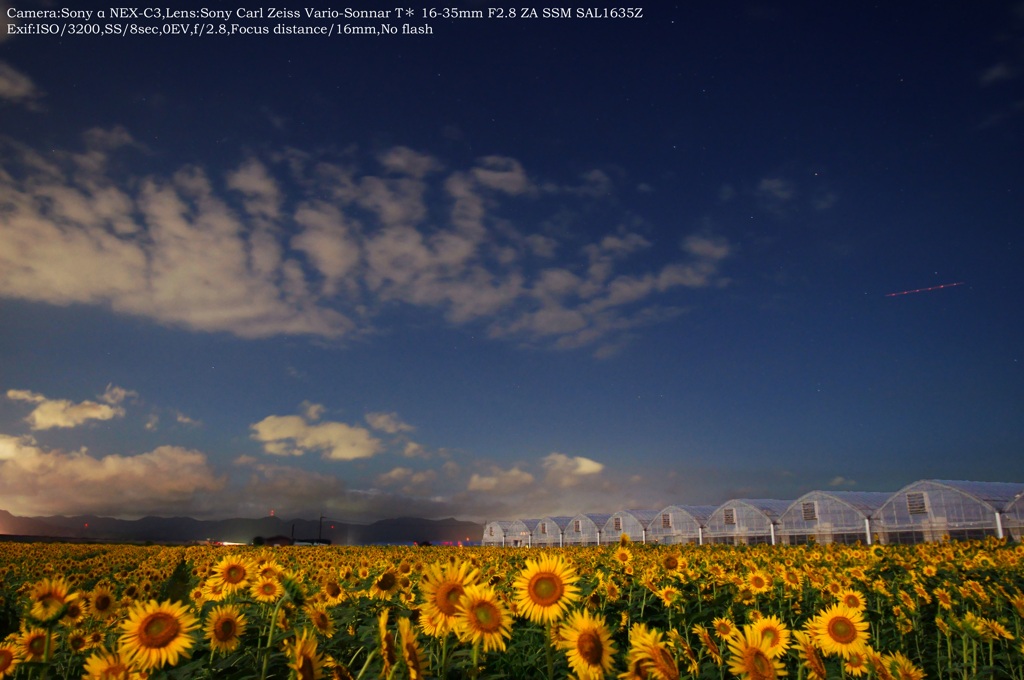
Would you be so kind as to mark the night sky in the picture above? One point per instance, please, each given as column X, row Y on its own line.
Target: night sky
column 513, row 268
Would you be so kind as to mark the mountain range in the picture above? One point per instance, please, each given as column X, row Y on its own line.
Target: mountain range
column 238, row 530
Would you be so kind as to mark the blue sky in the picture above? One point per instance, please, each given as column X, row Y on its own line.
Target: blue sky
column 512, row 268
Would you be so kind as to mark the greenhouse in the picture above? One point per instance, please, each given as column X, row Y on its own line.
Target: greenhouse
column 548, row 531
column 680, row 524
column 585, row 529
column 933, row 510
column 1013, row 518
column 745, row 521
column 633, row 523
column 496, row 532
column 830, row 517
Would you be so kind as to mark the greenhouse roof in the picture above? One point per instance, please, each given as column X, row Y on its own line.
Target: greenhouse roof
column 866, row 502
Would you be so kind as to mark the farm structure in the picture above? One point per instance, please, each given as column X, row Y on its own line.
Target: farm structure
column 934, row 509
column 925, row 511
column 830, row 517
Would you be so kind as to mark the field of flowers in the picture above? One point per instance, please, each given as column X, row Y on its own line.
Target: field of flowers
column 950, row 610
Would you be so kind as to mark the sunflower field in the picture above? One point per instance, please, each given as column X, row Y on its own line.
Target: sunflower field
column 629, row 611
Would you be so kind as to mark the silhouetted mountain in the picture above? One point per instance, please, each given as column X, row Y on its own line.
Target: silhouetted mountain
column 239, row 530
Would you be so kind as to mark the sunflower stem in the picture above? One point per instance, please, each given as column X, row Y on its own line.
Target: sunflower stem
column 270, row 636
column 366, row 665
column 550, row 651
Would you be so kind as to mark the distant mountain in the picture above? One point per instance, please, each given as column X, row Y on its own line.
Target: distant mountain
column 239, row 530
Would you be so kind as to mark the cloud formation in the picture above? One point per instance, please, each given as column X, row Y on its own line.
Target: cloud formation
column 34, row 480
column 297, row 243
column 62, row 413
column 16, row 87
column 298, row 435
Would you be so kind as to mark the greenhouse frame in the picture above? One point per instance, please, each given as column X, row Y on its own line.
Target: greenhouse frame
column 585, row 529
column 935, row 509
column 1013, row 518
column 745, row 521
column 678, row 524
column 924, row 511
column 549, row 531
column 830, row 517
column 633, row 523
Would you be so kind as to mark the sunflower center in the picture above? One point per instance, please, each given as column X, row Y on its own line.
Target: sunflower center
column 387, row 581
column 412, row 656
column 158, row 630
column 6, row 659
column 306, row 670
column 487, row 617
column 590, row 648
column 771, row 635
column 37, row 645
column 235, row 573
column 101, row 603
column 225, row 630
column 671, row 562
column 760, row 666
column 447, row 598
column 664, row 664
column 545, row 589
column 333, row 589
column 757, row 582
column 842, row 630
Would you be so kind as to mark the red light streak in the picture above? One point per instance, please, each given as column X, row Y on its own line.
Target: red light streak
column 924, row 290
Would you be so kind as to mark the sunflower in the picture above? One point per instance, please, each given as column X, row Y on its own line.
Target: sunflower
column 106, row 665
column 750, row 656
column 482, row 618
column 839, row 630
column 387, row 644
column 332, row 591
column 649, row 657
column 303, row 657
column 9, row 659
column 321, row 619
column 102, row 602
column 902, row 668
column 545, row 588
column 384, row 586
column 234, row 571
column 672, row 562
column 33, row 644
column 774, row 631
column 77, row 640
column 157, row 633
column 623, row 555
column 588, row 645
column 412, row 653
column 224, row 628
column 856, row 664
column 50, row 599
column 267, row 590
column 709, row 644
column 944, row 599
column 852, row 599
column 724, row 628
column 442, row 588
column 810, row 659
column 758, row 582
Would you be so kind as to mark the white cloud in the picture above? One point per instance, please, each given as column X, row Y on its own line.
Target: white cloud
column 996, row 73
column 842, row 481
column 17, row 87
column 388, row 422
column 566, row 471
column 62, row 413
column 235, row 252
column 409, row 481
column 36, row 481
column 296, row 436
column 500, row 481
